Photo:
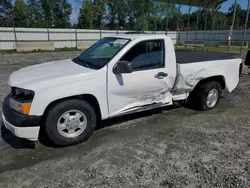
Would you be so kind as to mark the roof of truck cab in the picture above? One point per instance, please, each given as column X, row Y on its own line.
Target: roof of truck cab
column 135, row 36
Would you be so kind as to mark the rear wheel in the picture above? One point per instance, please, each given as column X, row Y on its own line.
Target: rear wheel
column 207, row 95
column 70, row 122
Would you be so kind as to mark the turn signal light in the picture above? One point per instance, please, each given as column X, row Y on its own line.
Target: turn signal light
column 26, row 108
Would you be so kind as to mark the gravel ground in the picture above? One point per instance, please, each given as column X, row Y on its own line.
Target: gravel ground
column 160, row 148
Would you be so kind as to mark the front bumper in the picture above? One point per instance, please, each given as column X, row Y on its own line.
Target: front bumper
column 23, row 126
column 29, row 133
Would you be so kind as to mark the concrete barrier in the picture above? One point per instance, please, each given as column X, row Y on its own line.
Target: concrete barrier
column 34, row 46
column 194, row 43
column 83, row 45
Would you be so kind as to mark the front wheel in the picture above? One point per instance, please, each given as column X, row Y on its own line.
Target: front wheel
column 70, row 122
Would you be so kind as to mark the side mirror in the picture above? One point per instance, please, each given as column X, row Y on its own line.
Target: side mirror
column 123, row 67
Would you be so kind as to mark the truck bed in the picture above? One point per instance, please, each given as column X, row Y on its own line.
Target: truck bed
column 192, row 56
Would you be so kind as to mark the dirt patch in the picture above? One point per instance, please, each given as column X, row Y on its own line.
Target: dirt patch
column 160, row 148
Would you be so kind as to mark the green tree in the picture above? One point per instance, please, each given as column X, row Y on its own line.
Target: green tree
column 122, row 12
column 117, row 13
column 98, row 14
column 61, row 14
column 20, row 14
column 243, row 18
column 36, row 17
column 56, row 13
column 139, row 12
column 218, row 19
column 5, row 13
column 166, row 17
column 141, row 24
column 173, row 16
column 85, row 20
column 239, row 17
column 239, row 10
column 112, row 18
column 47, row 11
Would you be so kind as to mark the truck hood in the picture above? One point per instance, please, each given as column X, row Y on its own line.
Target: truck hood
column 46, row 72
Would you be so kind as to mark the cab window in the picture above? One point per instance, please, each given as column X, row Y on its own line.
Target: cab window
column 146, row 55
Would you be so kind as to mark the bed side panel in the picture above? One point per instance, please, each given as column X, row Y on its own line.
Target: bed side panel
column 191, row 74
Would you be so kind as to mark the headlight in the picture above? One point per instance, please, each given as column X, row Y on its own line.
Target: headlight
column 23, row 108
column 21, row 100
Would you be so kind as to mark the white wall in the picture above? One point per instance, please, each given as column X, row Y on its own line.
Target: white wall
column 216, row 37
column 61, row 37
column 67, row 37
column 7, row 34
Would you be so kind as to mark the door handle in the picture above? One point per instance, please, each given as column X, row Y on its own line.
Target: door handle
column 161, row 75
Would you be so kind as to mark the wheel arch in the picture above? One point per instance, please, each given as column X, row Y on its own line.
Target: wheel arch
column 220, row 79
column 91, row 99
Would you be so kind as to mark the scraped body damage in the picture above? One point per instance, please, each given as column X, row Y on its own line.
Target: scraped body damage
column 138, row 90
column 190, row 74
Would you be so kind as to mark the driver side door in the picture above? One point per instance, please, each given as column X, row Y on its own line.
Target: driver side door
column 147, row 85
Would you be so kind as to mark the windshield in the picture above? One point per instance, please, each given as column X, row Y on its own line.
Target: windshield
column 101, row 52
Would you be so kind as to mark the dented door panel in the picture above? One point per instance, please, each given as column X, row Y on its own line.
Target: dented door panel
column 129, row 91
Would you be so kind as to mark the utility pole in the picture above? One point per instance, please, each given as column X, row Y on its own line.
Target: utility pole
column 246, row 22
column 167, row 18
column 233, row 20
column 155, row 15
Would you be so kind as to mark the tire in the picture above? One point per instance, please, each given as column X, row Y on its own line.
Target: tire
column 247, row 60
column 200, row 96
column 65, row 108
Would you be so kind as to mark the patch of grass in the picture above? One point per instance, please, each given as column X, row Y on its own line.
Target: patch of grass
column 7, row 51
column 42, row 51
column 67, row 49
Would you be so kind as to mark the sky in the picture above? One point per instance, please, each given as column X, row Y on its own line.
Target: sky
column 76, row 4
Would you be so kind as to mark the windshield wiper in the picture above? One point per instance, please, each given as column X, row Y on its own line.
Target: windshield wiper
column 81, row 62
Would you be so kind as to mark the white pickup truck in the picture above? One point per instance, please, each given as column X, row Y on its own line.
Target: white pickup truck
column 115, row 76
